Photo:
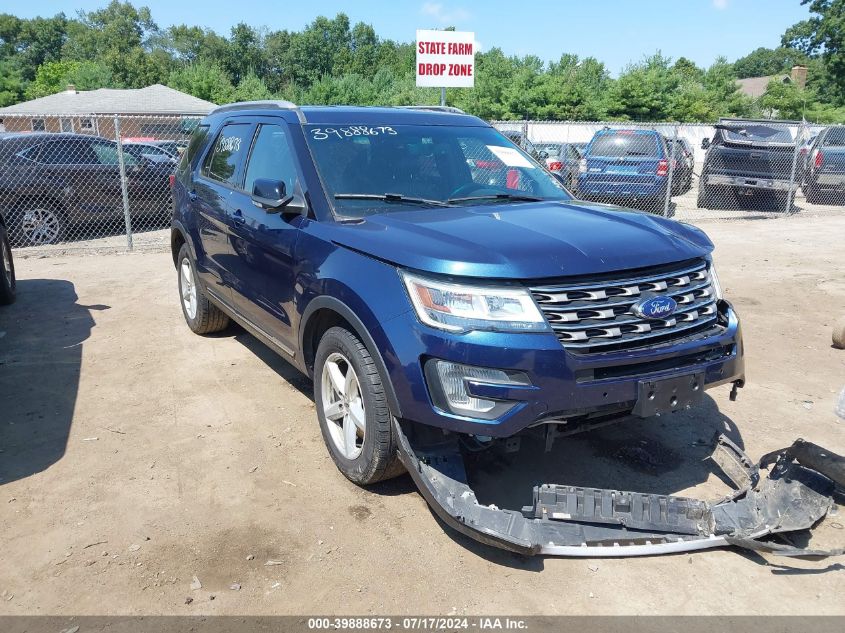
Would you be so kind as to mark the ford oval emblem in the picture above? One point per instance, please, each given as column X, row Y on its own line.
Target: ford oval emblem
column 654, row 307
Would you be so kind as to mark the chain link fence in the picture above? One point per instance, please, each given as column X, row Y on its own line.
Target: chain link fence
column 692, row 172
column 71, row 182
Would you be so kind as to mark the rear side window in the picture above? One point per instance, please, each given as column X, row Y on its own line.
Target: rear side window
column 66, row 152
column 835, row 137
column 271, row 158
column 230, row 148
column 622, row 145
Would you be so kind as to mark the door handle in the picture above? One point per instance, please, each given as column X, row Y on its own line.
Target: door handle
column 192, row 196
column 238, row 217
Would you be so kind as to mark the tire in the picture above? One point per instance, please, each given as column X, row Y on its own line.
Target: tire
column 839, row 334
column 705, row 196
column 811, row 194
column 780, row 200
column 38, row 224
column 202, row 316
column 359, row 407
column 8, row 285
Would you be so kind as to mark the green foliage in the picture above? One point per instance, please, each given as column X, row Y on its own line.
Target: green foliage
column 11, row 85
column 53, row 77
column 250, row 88
column 783, row 100
column 823, row 36
column 204, row 80
column 763, row 62
column 331, row 61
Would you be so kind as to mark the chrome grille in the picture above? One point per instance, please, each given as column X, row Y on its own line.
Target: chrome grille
column 597, row 316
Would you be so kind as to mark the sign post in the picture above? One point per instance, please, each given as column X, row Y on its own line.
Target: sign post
column 445, row 59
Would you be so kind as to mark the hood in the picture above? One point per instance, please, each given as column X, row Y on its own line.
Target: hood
column 523, row 241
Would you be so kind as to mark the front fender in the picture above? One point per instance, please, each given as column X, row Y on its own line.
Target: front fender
column 366, row 292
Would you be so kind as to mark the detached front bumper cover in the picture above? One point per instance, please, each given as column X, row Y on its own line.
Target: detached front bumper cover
column 591, row 522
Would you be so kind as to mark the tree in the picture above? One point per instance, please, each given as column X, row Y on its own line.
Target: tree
column 246, row 53
column 120, row 37
column 203, row 80
column 11, row 84
column 763, row 62
column 822, row 35
column 321, row 49
column 251, row 88
column 641, row 90
column 784, row 100
column 53, row 77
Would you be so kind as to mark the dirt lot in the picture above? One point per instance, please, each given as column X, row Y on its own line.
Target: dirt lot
column 137, row 456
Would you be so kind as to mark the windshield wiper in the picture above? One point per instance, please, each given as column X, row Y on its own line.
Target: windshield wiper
column 499, row 196
column 390, row 197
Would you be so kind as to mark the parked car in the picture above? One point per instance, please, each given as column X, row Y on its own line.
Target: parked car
column 824, row 179
column 52, row 182
column 746, row 161
column 174, row 148
column 684, row 164
column 432, row 309
column 562, row 159
column 628, row 167
column 150, row 152
column 8, row 285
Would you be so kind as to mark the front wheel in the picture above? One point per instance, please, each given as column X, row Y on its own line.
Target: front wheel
column 355, row 421
column 7, row 269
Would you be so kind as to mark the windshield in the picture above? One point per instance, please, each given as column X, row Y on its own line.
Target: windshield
column 622, row 144
column 755, row 133
column 374, row 169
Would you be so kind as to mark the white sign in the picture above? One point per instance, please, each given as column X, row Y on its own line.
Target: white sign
column 510, row 157
column 445, row 59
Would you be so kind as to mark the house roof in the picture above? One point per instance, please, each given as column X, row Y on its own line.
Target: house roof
column 155, row 99
column 756, row 86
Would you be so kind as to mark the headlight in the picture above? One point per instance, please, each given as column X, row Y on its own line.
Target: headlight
column 461, row 308
column 714, row 281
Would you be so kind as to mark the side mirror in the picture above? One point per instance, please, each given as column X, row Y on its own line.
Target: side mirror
column 705, row 143
column 271, row 195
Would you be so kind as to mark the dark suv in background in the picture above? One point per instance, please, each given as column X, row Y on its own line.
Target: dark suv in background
column 824, row 176
column 50, row 183
column 748, row 162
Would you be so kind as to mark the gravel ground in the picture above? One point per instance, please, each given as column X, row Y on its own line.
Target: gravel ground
column 145, row 470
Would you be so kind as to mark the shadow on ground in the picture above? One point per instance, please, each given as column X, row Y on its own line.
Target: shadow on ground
column 661, row 455
column 40, row 359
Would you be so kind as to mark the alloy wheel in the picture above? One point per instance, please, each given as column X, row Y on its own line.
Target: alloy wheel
column 188, row 288
column 343, row 405
column 40, row 226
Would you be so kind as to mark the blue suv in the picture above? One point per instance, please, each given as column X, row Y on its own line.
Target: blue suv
column 630, row 167
column 436, row 282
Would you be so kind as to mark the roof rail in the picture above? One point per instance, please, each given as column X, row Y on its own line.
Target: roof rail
column 436, row 108
column 279, row 104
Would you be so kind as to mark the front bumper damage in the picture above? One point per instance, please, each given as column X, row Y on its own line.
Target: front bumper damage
column 798, row 491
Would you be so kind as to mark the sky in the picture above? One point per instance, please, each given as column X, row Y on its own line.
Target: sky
column 616, row 32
